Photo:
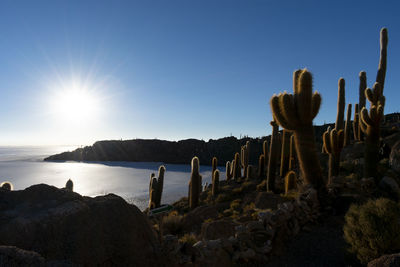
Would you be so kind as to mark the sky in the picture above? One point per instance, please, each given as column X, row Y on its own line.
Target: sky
column 74, row 72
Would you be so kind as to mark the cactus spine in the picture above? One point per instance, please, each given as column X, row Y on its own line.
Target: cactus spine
column 228, row 171
column 333, row 143
column 292, row 153
column 295, row 112
column 285, row 154
column 347, row 135
column 69, row 186
column 215, row 183
column 356, row 123
column 340, row 105
column 290, row 181
column 273, row 153
column 261, row 166
column 214, row 164
column 236, row 167
column 194, row 184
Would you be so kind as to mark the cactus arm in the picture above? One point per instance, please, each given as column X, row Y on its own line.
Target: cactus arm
column 304, row 97
column 316, row 103
column 278, row 115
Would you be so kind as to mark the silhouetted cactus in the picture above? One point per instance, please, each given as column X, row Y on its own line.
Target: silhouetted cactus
column 7, row 186
column 356, row 123
column 290, row 181
column 249, row 172
column 265, row 152
column 244, row 156
column 214, row 164
column 236, row 167
column 292, row 153
column 215, row 183
column 361, row 101
column 340, row 105
column 285, row 153
column 194, row 184
column 273, row 157
column 347, row 126
column 69, row 186
column 333, row 143
column 295, row 112
column 261, row 167
column 228, row 171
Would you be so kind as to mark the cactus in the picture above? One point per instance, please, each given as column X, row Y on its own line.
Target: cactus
column 295, row 112
column 381, row 74
column 249, row 172
column 292, row 153
column 285, row 154
column 340, row 105
column 333, row 143
column 356, row 123
column 156, row 188
column 370, row 125
column 273, row 153
column 69, row 186
column 361, row 101
column 236, row 167
column 194, row 184
column 214, row 164
column 228, row 171
column 261, row 166
column 347, row 135
column 215, row 183
column 323, row 148
column 7, row 186
column 152, row 192
column 290, row 181
column 265, row 151
column 244, row 156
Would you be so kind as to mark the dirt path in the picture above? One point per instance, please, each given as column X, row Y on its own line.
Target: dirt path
column 322, row 246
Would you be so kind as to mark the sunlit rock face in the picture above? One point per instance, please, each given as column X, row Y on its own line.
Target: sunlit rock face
column 63, row 225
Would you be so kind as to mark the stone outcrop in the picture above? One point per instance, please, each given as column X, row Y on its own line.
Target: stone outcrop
column 63, row 225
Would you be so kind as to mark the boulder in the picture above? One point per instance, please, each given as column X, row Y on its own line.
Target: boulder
column 218, row 229
column 392, row 260
column 389, row 184
column 63, row 225
column 394, row 158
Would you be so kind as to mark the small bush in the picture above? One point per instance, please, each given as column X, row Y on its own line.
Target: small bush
column 188, row 238
column 172, row 224
column 373, row 229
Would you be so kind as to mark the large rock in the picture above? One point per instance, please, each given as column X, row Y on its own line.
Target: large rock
column 61, row 225
column 394, row 158
column 392, row 260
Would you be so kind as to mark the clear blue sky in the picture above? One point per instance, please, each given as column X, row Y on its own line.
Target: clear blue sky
column 180, row 69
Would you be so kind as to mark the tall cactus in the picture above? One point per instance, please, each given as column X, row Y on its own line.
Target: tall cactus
column 285, row 153
column 214, row 164
column 215, row 183
column 156, row 188
column 261, row 166
column 228, row 171
column 356, row 123
column 381, row 74
column 265, row 152
column 152, row 192
column 292, row 153
column 295, row 112
column 194, row 184
column 236, row 167
column 244, row 155
column 361, row 101
column 273, row 154
column 333, row 143
column 347, row 126
column 249, row 172
column 290, row 181
column 340, row 105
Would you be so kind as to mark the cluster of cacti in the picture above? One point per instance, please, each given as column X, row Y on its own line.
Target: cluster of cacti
column 244, row 156
column 156, row 188
column 229, row 170
column 285, row 153
column 295, row 112
column 273, row 157
column 340, row 105
column 292, row 160
column 6, row 186
column 347, row 126
column 261, row 166
column 370, row 122
column 290, row 181
column 237, row 170
column 215, row 183
column 69, row 186
column 195, row 184
column 333, row 144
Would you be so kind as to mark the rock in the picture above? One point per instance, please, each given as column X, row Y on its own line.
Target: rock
column 394, row 158
column 391, row 140
column 392, row 260
column 61, row 225
column 355, row 151
column 266, row 200
column 390, row 184
column 218, row 229
column 13, row 256
column 193, row 220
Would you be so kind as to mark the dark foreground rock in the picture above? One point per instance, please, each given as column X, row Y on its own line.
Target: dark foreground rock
column 62, row 225
column 392, row 260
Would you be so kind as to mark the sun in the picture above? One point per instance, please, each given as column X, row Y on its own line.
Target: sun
column 74, row 103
